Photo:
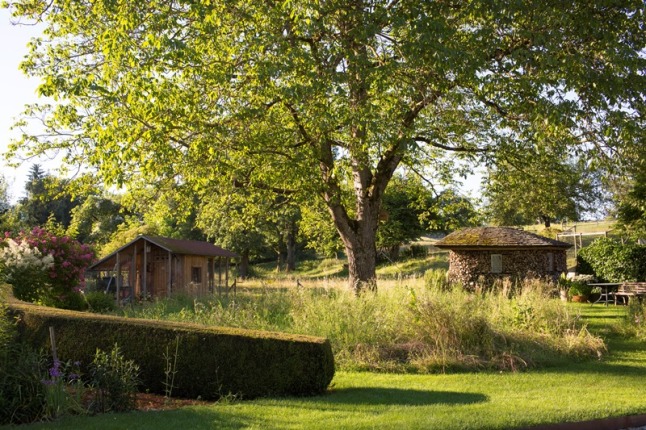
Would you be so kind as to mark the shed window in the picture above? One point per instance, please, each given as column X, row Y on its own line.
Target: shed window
column 496, row 263
column 196, row 275
column 550, row 261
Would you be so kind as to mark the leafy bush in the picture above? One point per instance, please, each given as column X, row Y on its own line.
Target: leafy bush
column 612, row 261
column 114, row 381
column 46, row 269
column 100, row 302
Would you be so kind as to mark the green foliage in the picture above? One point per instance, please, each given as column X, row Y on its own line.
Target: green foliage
column 47, row 200
column 612, row 261
column 21, row 373
column 114, row 381
column 631, row 200
column 22, row 392
column 315, row 98
column 100, row 302
column 405, row 202
column 211, row 361
column 95, row 220
column 579, row 289
column 539, row 186
column 126, row 232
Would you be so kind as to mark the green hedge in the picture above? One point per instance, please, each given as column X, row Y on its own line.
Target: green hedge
column 612, row 261
column 211, row 362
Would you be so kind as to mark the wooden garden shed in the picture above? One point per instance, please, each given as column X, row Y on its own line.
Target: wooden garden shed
column 154, row 266
column 486, row 254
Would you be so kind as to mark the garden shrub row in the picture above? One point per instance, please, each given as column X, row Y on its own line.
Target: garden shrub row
column 210, row 362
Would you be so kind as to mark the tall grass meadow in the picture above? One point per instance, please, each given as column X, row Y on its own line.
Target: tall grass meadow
column 412, row 324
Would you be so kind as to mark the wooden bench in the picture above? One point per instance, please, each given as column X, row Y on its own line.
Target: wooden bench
column 630, row 289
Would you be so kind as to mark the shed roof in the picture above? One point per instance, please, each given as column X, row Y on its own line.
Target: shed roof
column 175, row 246
column 498, row 238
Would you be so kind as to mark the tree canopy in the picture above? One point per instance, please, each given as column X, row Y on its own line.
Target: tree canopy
column 546, row 189
column 313, row 98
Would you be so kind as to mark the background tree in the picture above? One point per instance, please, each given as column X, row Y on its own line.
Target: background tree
column 404, row 205
column 309, row 97
column 545, row 188
column 451, row 211
column 47, row 197
column 6, row 222
column 96, row 219
column 630, row 197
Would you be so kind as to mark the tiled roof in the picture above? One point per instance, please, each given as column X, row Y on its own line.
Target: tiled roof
column 497, row 237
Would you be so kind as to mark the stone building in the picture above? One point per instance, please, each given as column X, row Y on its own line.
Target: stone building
column 487, row 254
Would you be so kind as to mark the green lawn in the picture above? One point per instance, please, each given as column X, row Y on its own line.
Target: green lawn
column 577, row 391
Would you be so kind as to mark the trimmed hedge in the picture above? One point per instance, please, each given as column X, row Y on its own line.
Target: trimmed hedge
column 212, row 362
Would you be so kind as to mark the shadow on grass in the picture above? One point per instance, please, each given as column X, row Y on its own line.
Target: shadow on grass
column 399, row 397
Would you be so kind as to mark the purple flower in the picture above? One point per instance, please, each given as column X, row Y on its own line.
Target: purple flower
column 55, row 370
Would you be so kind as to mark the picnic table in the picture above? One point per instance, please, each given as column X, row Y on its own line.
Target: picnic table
column 627, row 290
column 615, row 291
column 607, row 291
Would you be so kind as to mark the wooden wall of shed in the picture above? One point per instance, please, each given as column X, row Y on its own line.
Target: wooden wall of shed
column 469, row 267
column 185, row 283
column 157, row 270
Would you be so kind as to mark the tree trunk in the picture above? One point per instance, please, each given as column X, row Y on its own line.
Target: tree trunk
column 291, row 247
column 546, row 221
column 359, row 239
column 243, row 268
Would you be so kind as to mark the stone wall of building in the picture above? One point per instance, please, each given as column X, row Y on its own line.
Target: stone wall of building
column 469, row 267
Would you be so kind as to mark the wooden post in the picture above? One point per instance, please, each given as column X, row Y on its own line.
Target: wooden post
column 145, row 271
column 52, row 339
column 219, row 276
column 134, row 267
column 118, row 277
column 168, row 275
column 226, row 277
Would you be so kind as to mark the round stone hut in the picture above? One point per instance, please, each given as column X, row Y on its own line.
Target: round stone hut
column 486, row 254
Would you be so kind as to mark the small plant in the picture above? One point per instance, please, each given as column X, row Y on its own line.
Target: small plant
column 63, row 390
column 578, row 288
column 114, row 381
column 100, row 302
column 170, row 369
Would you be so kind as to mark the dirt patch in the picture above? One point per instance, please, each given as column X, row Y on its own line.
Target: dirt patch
column 156, row 402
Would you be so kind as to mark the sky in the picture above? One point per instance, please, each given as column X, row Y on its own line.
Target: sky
column 16, row 90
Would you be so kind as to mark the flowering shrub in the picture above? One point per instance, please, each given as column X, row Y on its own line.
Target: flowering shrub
column 26, row 269
column 45, row 268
